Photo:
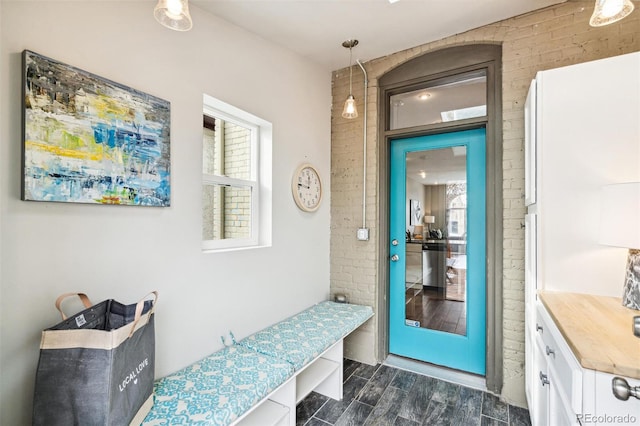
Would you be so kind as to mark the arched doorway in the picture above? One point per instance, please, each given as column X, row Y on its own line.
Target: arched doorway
column 428, row 70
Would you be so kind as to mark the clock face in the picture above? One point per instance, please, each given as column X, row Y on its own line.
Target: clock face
column 307, row 188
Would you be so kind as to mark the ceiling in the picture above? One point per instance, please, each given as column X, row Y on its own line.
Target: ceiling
column 437, row 166
column 316, row 29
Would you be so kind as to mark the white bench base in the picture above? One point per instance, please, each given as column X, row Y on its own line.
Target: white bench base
column 323, row 375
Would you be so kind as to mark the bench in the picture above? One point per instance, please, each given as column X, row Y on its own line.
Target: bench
column 260, row 379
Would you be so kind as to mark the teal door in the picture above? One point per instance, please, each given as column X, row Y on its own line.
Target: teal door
column 437, row 270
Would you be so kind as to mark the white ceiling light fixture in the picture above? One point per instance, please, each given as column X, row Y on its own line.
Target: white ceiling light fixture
column 350, row 111
column 609, row 11
column 173, row 14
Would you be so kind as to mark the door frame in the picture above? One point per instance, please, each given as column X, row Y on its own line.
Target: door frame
column 437, row 65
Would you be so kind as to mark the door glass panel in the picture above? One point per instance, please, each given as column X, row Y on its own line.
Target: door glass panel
column 436, row 224
column 441, row 101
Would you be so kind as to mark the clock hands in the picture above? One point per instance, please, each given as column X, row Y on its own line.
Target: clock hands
column 304, row 186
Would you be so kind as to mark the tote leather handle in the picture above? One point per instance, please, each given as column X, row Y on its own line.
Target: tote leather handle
column 140, row 307
column 83, row 297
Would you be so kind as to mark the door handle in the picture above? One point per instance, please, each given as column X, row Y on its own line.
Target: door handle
column 395, row 258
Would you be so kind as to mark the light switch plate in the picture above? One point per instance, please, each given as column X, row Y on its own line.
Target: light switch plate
column 363, row 234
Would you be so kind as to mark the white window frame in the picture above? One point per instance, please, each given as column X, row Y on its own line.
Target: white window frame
column 260, row 176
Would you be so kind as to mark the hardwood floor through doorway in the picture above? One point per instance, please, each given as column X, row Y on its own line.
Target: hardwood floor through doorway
column 434, row 311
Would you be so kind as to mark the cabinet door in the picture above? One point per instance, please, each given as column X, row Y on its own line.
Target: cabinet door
column 610, row 408
column 529, row 366
column 530, row 146
column 559, row 413
column 539, row 404
column 530, row 304
column 530, row 267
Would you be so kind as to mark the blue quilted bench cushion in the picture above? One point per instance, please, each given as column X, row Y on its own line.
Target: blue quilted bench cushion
column 217, row 389
column 302, row 337
column 344, row 317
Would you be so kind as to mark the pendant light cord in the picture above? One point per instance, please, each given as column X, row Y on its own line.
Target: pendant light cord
column 350, row 70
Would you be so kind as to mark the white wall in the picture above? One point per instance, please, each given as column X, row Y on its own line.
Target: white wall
column 124, row 252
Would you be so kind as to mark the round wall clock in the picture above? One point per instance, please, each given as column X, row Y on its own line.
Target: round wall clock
column 306, row 188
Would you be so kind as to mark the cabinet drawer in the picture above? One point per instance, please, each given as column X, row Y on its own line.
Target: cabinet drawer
column 561, row 362
column 414, row 248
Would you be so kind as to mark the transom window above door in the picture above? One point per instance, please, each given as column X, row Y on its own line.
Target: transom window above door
column 440, row 101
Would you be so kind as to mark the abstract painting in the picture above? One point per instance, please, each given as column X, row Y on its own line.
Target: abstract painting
column 415, row 211
column 87, row 139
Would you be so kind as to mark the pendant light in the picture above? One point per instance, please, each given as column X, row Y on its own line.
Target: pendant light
column 350, row 110
column 173, row 14
column 609, row 11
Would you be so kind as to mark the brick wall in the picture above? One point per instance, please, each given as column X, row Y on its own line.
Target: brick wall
column 237, row 204
column 549, row 38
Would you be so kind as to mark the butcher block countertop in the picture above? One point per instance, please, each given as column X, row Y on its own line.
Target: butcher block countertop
column 598, row 330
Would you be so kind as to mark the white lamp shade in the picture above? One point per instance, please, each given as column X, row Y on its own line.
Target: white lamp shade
column 173, row 14
column 429, row 219
column 350, row 110
column 607, row 12
column 620, row 215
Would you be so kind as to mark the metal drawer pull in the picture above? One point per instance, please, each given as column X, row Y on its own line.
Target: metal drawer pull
column 544, row 379
column 550, row 351
column 539, row 328
column 622, row 390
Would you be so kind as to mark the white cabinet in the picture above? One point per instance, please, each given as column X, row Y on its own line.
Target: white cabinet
column 581, row 133
column 559, row 371
column 565, row 393
column 531, row 370
column 530, row 158
column 538, row 387
column 602, row 407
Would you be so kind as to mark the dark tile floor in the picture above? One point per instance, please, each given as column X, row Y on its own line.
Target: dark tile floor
column 382, row 395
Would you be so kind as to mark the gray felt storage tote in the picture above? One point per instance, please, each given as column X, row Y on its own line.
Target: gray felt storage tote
column 97, row 367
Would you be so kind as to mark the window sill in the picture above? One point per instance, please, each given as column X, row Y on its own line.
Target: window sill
column 230, row 249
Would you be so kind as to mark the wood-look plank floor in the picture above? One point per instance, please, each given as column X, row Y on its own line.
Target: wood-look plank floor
column 385, row 396
column 435, row 312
